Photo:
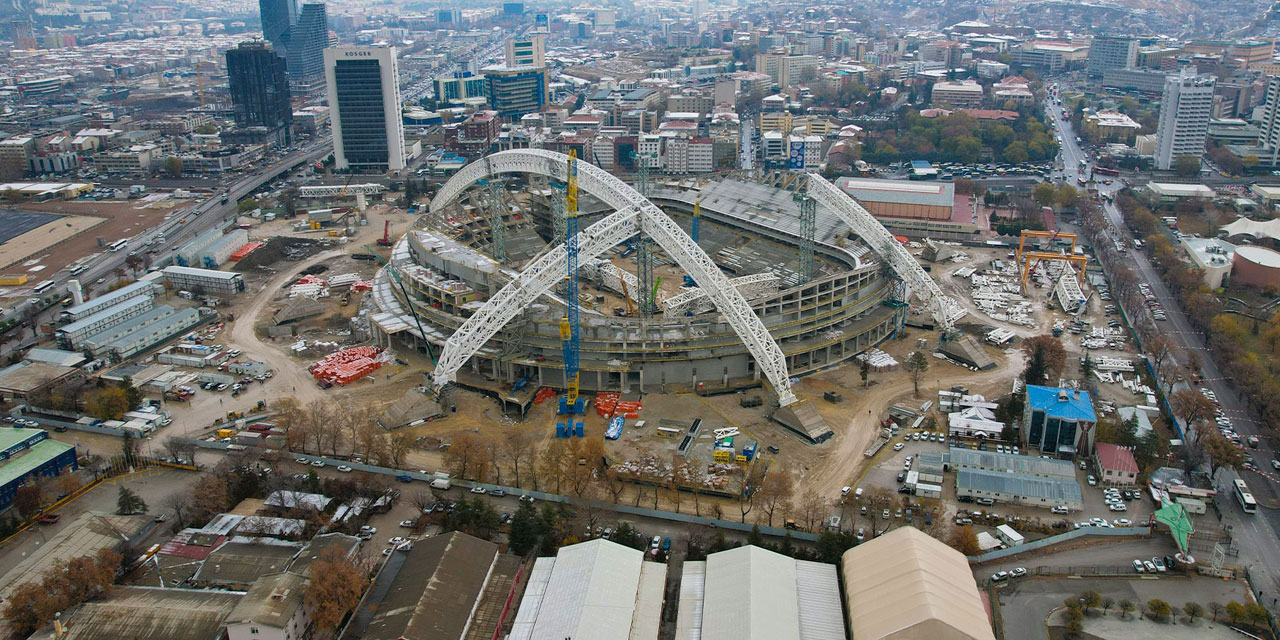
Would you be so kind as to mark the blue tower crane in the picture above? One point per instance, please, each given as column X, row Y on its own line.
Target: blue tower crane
column 571, row 404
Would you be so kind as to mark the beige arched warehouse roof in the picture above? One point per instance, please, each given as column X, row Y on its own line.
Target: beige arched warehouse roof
column 905, row 585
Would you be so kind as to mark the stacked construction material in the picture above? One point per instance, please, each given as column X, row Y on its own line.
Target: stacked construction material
column 607, row 404
column 615, row 429
column 248, row 248
column 878, row 360
column 362, row 285
column 309, row 287
column 348, row 365
column 629, row 409
column 543, row 395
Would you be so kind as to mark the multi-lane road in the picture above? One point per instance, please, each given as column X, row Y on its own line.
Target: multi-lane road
column 1256, row 535
column 206, row 215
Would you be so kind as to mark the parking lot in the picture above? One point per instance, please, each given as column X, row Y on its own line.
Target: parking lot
column 1137, row 509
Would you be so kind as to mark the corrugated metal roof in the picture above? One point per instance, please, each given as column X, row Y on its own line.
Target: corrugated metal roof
column 818, row 594
column 1017, row 484
column 534, row 590
column 648, row 614
column 930, row 193
column 750, row 595
column 693, row 581
column 1074, row 405
column 1015, row 463
column 592, row 593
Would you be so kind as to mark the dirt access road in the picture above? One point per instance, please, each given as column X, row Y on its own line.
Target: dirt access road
column 288, row 372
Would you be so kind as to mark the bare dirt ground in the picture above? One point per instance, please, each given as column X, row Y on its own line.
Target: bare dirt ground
column 125, row 219
column 31, row 252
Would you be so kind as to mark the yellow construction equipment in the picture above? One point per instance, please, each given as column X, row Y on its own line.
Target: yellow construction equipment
column 631, row 308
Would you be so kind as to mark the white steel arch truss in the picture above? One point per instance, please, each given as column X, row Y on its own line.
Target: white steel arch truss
column 946, row 312
column 633, row 213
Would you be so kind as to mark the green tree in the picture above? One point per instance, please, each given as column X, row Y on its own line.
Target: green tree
column 1044, row 194
column 1257, row 614
column 132, row 395
column 173, row 166
column 917, row 365
column 1187, row 166
column 108, row 403
column 1158, row 609
column 129, row 449
column 128, row 502
column 526, row 529
column 1126, row 607
column 864, row 371
column 1015, row 152
column 1193, row 610
column 248, row 204
column 833, row 544
column 1236, row 613
column 1090, row 599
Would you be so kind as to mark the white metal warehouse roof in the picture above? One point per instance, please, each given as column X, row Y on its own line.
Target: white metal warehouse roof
column 591, row 592
column 752, row 593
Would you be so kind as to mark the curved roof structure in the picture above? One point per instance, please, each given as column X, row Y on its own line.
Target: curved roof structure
column 1247, row 227
column 907, row 585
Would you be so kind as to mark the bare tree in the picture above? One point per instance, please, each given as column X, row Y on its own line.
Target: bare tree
column 813, row 510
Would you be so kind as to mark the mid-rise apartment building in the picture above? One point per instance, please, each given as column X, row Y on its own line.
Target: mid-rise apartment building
column 1185, row 109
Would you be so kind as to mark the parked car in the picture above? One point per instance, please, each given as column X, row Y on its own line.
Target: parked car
column 898, row 447
column 397, row 540
column 407, row 523
column 342, row 468
column 1139, row 567
column 497, row 493
column 479, row 490
column 1018, row 572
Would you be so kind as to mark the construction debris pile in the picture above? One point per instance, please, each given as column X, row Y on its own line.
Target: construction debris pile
column 1104, row 338
column 995, row 293
column 348, row 365
column 878, row 360
column 648, row 469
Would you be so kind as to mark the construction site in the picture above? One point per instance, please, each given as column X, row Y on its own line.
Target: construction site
column 536, row 276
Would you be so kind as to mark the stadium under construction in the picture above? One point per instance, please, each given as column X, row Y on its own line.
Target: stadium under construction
column 788, row 275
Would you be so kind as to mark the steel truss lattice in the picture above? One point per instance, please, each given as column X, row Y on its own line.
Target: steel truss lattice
column 633, row 214
column 946, row 312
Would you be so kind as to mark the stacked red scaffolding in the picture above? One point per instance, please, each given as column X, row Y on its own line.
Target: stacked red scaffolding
column 606, row 404
column 348, row 365
column 543, row 395
column 362, row 285
column 630, row 410
column 246, row 250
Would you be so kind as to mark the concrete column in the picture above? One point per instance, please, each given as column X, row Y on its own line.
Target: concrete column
column 641, row 379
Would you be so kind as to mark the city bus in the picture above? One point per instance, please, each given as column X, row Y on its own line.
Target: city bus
column 118, row 244
column 1247, row 503
column 1106, row 171
column 43, row 287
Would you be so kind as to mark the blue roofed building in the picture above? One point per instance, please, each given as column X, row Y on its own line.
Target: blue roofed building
column 1059, row 421
column 27, row 456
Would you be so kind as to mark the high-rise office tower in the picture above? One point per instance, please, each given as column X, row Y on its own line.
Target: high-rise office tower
column 530, row 51
column 278, row 17
column 307, row 42
column 260, row 91
column 1112, row 52
column 1269, row 134
column 364, row 107
column 1185, row 108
